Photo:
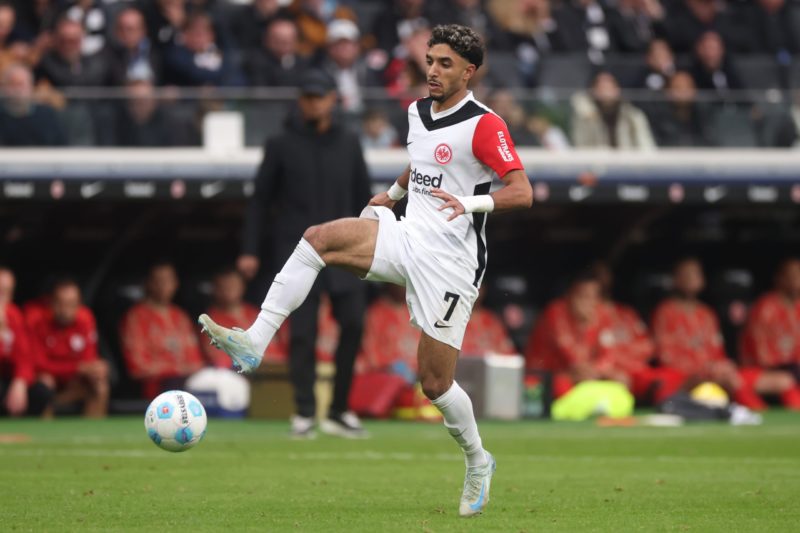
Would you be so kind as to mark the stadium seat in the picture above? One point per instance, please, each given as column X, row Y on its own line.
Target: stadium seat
column 565, row 71
column 626, row 68
column 503, row 70
column 731, row 126
column 759, row 71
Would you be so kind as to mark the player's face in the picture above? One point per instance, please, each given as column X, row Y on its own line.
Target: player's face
column 7, row 284
column 448, row 73
column 228, row 290
column 162, row 284
column 789, row 279
column 689, row 280
column 317, row 108
column 584, row 300
column 66, row 301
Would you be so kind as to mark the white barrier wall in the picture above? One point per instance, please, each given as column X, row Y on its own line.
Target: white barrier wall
column 664, row 176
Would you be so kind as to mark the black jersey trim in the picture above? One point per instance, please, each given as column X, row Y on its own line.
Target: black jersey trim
column 478, row 221
column 466, row 112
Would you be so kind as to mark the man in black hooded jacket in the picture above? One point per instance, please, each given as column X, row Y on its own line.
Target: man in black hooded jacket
column 312, row 172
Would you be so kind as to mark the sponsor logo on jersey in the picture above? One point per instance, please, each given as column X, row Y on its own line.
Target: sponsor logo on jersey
column 443, row 154
column 505, row 151
column 425, row 180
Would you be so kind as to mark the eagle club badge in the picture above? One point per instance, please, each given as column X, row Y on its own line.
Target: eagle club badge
column 443, row 154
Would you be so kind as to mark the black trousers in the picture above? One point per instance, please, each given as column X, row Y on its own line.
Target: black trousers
column 348, row 309
column 39, row 397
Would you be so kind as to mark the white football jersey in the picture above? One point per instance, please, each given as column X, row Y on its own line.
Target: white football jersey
column 459, row 150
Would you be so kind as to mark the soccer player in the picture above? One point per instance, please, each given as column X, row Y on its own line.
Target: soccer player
column 770, row 342
column 438, row 251
column 68, row 362
column 689, row 340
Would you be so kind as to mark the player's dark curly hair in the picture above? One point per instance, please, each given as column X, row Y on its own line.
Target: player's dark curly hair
column 463, row 40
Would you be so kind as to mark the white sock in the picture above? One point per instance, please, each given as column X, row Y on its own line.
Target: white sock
column 288, row 290
column 459, row 419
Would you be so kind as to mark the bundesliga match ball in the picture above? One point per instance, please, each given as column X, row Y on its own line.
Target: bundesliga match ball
column 175, row 421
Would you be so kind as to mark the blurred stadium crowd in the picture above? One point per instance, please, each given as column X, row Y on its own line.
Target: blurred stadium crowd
column 50, row 360
column 632, row 74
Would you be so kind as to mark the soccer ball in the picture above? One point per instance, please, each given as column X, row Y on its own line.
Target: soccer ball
column 175, row 421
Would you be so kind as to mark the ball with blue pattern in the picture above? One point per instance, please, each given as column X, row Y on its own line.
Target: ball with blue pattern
column 175, row 421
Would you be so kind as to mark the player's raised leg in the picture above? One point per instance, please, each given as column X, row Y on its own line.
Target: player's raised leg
column 437, row 365
column 348, row 243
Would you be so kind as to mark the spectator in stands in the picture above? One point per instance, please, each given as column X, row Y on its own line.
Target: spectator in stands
column 94, row 16
column 601, row 119
column 680, row 120
column 583, row 26
column 770, row 342
column 406, row 75
column 398, row 20
column 528, row 28
column 660, row 66
column 470, row 13
column 131, row 53
column 548, row 135
column 688, row 20
column 277, row 63
column 67, row 360
column 486, row 332
column 250, row 22
column 343, row 61
column 196, row 59
column 159, row 341
column 632, row 24
column 313, row 17
column 228, row 308
column 23, row 122
column 711, row 67
column 688, row 337
column 570, row 337
column 66, row 66
column 377, row 131
column 503, row 102
column 164, row 19
column 141, row 121
column 19, row 393
column 769, row 27
column 9, row 51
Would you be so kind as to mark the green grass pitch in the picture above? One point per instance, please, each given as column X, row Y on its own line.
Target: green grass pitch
column 107, row 475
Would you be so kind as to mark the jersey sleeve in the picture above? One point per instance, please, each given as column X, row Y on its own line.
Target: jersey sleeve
column 492, row 145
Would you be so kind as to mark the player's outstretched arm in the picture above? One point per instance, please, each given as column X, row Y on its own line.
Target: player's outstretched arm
column 395, row 193
column 517, row 194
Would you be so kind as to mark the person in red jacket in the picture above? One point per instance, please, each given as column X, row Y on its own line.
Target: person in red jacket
column 770, row 342
column 390, row 341
column 571, row 336
column 19, row 392
column 229, row 309
column 632, row 346
column 67, row 361
column 688, row 338
column 485, row 333
column 159, row 342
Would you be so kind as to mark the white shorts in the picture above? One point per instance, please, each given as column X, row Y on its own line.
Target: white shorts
column 439, row 296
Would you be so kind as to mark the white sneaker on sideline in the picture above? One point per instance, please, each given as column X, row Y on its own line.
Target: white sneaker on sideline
column 302, row 427
column 346, row 425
